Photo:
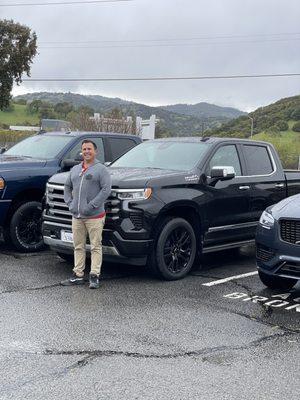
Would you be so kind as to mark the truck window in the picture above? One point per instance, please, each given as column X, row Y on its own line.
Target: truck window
column 44, row 147
column 76, row 150
column 258, row 160
column 226, row 156
column 120, row 146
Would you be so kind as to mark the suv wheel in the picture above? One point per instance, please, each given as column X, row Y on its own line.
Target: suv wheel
column 276, row 282
column 26, row 227
column 174, row 250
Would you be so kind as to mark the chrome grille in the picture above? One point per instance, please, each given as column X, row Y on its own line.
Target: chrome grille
column 57, row 209
column 290, row 230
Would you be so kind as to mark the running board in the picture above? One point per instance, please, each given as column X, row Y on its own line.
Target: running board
column 226, row 246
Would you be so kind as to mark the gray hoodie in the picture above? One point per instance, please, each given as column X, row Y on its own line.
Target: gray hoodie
column 85, row 193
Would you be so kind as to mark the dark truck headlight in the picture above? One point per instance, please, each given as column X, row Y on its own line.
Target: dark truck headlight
column 2, row 183
column 133, row 194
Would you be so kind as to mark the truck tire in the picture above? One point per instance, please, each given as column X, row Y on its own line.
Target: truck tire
column 276, row 282
column 26, row 227
column 174, row 249
column 69, row 258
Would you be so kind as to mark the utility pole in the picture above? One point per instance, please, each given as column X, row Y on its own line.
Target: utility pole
column 251, row 135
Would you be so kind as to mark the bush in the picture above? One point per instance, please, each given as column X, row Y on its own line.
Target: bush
column 273, row 130
column 296, row 114
column 22, row 102
column 282, row 125
column 9, row 138
column 296, row 127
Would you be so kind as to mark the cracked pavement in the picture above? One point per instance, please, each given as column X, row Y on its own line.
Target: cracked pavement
column 140, row 338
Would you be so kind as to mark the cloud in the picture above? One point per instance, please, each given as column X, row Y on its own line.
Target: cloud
column 234, row 37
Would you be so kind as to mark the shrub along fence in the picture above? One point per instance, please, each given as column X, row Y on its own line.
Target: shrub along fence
column 9, row 138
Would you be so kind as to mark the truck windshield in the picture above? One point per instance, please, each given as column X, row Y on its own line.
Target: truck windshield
column 179, row 156
column 39, row 146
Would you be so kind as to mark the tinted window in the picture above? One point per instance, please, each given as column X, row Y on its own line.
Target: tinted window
column 258, row 160
column 40, row 146
column 179, row 156
column 120, row 146
column 75, row 152
column 226, row 156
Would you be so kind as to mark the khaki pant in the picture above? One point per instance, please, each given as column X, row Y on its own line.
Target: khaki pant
column 80, row 229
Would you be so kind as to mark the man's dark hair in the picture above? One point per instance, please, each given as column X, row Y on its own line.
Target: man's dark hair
column 89, row 141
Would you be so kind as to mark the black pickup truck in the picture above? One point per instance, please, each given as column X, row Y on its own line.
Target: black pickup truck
column 25, row 169
column 173, row 199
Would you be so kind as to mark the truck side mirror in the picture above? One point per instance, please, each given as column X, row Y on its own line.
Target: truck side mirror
column 2, row 150
column 78, row 157
column 222, row 173
column 107, row 163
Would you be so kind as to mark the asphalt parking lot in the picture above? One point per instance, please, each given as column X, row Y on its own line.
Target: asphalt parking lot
column 218, row 334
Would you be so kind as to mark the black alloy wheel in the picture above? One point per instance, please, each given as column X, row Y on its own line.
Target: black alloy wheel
column 26, row 227
column 175, row 249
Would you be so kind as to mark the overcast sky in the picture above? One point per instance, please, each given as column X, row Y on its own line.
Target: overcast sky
column 165, row 38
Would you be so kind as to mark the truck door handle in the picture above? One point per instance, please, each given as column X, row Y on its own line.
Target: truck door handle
column 279, row 185
column 244, row 187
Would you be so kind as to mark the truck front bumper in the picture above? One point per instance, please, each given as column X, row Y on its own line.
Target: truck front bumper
column 4, row 207
column 114, row 247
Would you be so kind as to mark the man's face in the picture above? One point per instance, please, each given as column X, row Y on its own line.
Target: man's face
column 88, row 152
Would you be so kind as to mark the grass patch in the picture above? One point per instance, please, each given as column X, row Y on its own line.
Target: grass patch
column 18, row 116
column 286, row 143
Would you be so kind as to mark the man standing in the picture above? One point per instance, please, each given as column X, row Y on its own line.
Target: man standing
column 86, row 189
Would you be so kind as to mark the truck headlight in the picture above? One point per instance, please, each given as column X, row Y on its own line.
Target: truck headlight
column 2, row 183
column 133, row 194
column 266, row 220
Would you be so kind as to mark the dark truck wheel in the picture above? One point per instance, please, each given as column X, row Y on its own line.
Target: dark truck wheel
column 26, row 227
column 276, row 282
column 174, row 249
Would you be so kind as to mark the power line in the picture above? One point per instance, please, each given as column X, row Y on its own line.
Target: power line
column 160, row 78
column 166, row 44
column 62, row 3
column 171, row 39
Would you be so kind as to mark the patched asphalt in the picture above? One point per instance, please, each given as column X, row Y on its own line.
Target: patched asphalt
column 141, row 338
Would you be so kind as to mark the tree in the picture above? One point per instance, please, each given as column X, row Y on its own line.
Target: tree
column 282, row 125
column 34, row 106
column 296, row 114
column 86, row 110
column 296, row 127
column 63, row 108
column 17, row 49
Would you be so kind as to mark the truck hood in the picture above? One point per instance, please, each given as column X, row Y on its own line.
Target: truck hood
column 127, row 178
column 287, row 208
column 9, row 163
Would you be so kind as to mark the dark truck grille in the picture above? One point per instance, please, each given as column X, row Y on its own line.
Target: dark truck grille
column 58, row 211
column 290, row 230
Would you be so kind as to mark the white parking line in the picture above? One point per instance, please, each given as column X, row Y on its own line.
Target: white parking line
column 230, row 278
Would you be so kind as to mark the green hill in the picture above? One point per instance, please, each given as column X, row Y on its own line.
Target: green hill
column 273, row 123
column 272, row 119
column 178, row 121
column 18, row 115
column 205, row 110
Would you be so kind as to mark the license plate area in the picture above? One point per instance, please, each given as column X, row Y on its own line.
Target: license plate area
column 66, row 236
